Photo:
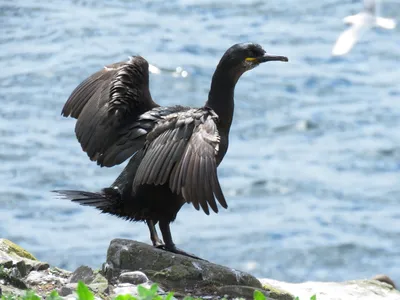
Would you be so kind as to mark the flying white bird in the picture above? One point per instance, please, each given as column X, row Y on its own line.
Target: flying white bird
column 361, row 22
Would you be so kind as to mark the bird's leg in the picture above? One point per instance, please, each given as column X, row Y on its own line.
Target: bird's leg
column 169, row 244
column 157, row 242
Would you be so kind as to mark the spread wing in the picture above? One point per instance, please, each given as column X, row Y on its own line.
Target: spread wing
column 107, row 106
column 181, row 151
column 347, row 39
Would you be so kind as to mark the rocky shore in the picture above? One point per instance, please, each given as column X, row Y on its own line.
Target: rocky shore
column 130, row 263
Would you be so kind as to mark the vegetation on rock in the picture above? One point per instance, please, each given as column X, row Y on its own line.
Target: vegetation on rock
column 83, row 293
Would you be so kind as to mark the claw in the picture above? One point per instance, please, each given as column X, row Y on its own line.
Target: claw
column 181, row 252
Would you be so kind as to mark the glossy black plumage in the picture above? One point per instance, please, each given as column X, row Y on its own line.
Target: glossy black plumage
column 174, row 150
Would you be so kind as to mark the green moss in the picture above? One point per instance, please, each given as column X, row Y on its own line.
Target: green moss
column 17, row 250
column 9, row 296
column 178, row 272
column 175, row 273
column 98, row 278
column 99, row 285
column 277, row 293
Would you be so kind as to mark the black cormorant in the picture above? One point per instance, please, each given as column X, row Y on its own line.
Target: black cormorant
column 175, row 150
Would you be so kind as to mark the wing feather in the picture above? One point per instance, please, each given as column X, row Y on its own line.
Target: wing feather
column 208, row 188
column 171, row 159
column 84, row 92
column 106, row 105
column 181, row 151
column 217, row 188
column 198, row 186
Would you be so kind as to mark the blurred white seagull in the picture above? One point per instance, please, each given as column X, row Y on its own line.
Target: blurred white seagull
column 361, row 22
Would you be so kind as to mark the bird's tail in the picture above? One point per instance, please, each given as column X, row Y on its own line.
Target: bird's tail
column 108, row 200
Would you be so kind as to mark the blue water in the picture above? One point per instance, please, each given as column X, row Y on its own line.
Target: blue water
column 312, row 175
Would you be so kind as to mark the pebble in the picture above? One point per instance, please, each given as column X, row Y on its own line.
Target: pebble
column 65, row 291
column 135, row 277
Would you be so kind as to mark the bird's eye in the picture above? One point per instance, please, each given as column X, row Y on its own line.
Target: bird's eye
column 252, row 56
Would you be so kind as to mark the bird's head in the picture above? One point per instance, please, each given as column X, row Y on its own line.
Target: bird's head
column 245, row 56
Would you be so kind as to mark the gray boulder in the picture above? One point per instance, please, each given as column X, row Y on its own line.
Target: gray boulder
column 175, row 272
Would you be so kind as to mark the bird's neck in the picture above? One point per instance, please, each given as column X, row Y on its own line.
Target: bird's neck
column 220, row 98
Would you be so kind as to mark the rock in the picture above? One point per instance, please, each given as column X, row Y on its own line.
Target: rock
column 348, row 290
column 99, row 278
column 21, row 267
column 12, row 255
column 15, row 281
column 238, row 291
column 8, row 289
column 41, row 266
column 14, row 250
column 130, row 263
column 277, row 293
column 83, row 273
column 65, row 291
column 135, row 277
column 99, row 288
column 173, row 271
column 43, row 282
column 72, row 286
column 20, row 270
column 35, row 278
column 384, row 278
column 6, row 264
column 59, row 272
column 12, row 277
column 15, row 273
column 99, row 284
column 126, row 288
column 129, row 288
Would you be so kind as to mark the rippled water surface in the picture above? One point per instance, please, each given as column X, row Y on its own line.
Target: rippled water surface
column 312, row 175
